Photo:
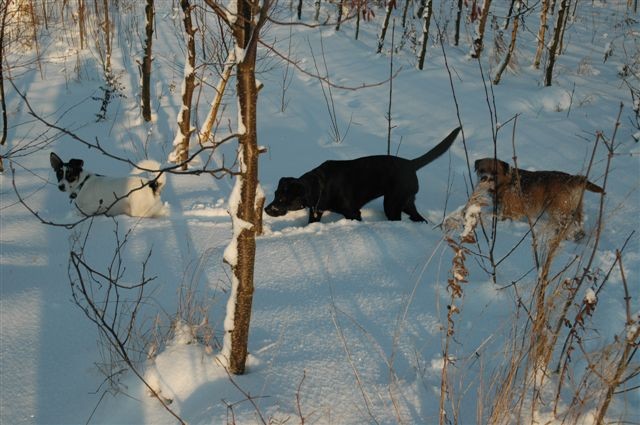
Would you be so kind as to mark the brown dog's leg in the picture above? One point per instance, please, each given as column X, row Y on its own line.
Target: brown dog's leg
column 577, row 232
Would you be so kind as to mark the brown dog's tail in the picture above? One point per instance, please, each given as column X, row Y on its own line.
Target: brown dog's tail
column 593, row 187
column 434, row 153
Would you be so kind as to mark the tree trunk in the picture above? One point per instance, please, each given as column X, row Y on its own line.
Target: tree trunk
column 385, row 25
column 248, row 219
column 146, row 62
column 81, row 23
column 478, row 41
column 205, row 132
column 5, row 11
column 405, row 12
column 564, row 27
column 389, row 120
column 247, row 198
column 107, row 38
column 316, row 5
column 426, row 21
column 45, row 15
column 456, row 39
column 358, row 8
column 512, row 45
column 340, row 10
column 541, row 33
column 180, row 152
column 555, row 43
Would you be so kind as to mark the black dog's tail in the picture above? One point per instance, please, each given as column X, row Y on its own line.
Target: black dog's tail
column 434, row 153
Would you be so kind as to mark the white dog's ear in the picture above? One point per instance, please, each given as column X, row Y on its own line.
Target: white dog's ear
column 56, row 162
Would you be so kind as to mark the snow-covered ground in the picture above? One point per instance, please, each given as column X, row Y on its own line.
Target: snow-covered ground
column 349, row 318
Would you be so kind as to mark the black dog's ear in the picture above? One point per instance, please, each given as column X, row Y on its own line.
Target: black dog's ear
column 292, row 186
column 285, row 181
column 56, row 162
column 76, row 163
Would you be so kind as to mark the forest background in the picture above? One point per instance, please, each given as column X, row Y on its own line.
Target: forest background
column 127, row 320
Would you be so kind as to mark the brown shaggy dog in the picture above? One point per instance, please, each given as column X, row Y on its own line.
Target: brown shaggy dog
column 521, row 194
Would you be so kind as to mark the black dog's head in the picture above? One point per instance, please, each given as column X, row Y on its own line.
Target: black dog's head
column 290, row 195
column 67, row 173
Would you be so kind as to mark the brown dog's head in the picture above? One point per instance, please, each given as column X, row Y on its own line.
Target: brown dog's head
column 490, row 169
column 290, row 196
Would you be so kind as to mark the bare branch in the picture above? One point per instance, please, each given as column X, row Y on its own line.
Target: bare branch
column 107, row 315
column 325, row 79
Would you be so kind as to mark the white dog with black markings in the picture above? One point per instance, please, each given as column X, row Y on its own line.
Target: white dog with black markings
column 95, row 194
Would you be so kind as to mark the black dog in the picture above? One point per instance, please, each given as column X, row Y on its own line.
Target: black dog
column 346, row 186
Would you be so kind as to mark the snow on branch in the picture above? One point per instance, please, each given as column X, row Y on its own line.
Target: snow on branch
column 466, row 218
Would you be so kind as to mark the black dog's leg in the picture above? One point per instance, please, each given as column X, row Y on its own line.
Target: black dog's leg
column 414, row 215
column 353, row 215
column 314, row 215
column 392, row 208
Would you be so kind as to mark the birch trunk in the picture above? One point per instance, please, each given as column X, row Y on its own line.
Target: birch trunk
column 541, row 33
column 512, row 45
column 385, row 25
column 405, row 12
column 5, row 11
column 426, row 22
column 564, row 26
column 478, row 41
column 205, row 132
column 180, row 152
column 456, row 39
column 107, row 37
column 81, row 23
column 249, row 199
column 340, row 11
column 358, row 7
column 146, row 61
column 245, row 18
column 555, row 43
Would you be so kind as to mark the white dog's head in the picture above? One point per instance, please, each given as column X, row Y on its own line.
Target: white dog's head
column 69, row 174
column 96, row 194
